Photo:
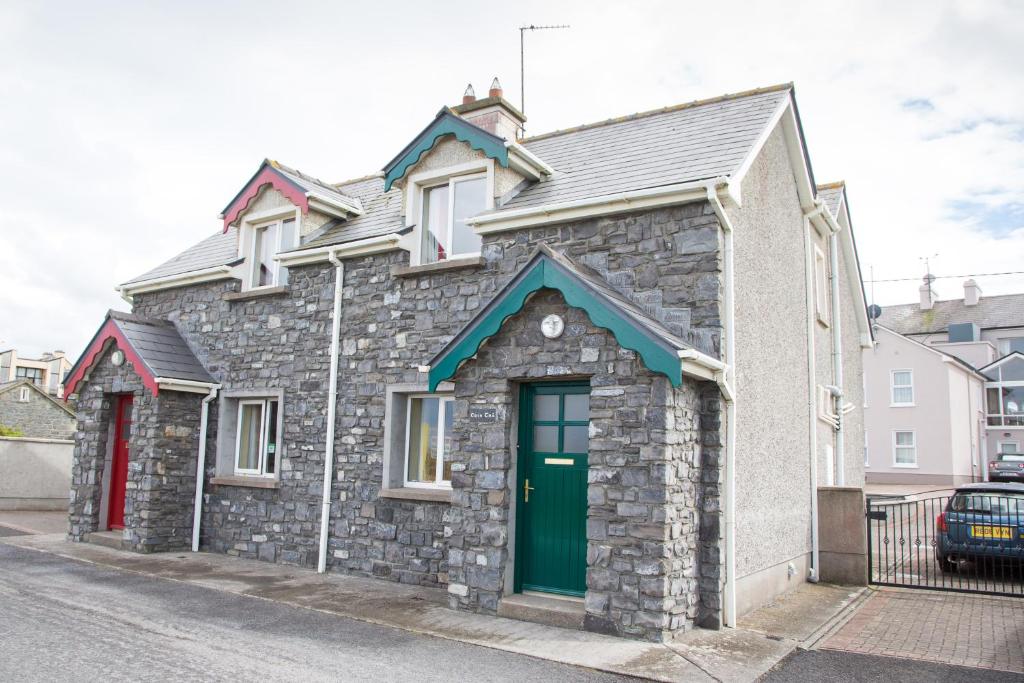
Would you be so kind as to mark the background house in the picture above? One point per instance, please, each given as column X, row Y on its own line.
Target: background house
column 925, row 421
column 47, row 372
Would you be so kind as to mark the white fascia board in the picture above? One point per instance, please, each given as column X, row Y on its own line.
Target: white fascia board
column 364, row 247
column 740, row 172
column 536, row 165
column 178, row 280
column 943, row 356
column 513, row 219
column 794, row 144
column 185, row 385
column 702, row 366
column 334, row 207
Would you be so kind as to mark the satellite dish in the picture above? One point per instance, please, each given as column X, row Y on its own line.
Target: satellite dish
column 874, row 311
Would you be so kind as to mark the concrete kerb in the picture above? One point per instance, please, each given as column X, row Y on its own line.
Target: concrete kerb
column 700, row 655
column 837, row 621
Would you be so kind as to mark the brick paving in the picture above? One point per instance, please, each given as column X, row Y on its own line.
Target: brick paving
column 953, row 628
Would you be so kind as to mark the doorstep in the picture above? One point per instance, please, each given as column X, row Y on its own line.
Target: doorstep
column 107, row 539
column 540, row 608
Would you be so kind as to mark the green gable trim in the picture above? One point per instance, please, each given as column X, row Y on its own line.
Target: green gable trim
column 656, row 355
column 446, row 123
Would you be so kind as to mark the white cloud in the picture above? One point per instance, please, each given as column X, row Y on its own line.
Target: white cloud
column 126, row 128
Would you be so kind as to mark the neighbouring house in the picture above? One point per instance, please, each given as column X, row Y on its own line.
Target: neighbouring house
column 28, row 409
column 945, row 387
column 611, row 363
column 47, row 372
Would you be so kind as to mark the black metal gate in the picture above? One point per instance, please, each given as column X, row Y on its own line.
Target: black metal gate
column 975, row 545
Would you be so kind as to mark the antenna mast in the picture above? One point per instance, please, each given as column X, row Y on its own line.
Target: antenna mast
column 522, row 58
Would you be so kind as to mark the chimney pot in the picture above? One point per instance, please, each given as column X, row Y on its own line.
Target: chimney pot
column 469, row 97
column 495, row 90
column 972, row 293
column 927, row 295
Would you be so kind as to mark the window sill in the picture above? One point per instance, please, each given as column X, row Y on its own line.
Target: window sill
column 254, row 293
column 248, row 482
column 438, row 495
column 905, row 467
column 902, row 405
column 439, row 267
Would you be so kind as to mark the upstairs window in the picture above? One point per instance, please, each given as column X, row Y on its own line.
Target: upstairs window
column 268, row 239
column 34, row 374
column 23, row 394
column 902, row 387
column 1008, row 346
column 445, row 234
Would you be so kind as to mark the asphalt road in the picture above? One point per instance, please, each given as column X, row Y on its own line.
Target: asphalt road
column 62, row 620
column 827, row 666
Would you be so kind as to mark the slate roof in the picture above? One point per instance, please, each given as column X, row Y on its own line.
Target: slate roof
column 1006, row 310
column 311, row 184
column 832, row 195
column 684, row 143
column 216, row 250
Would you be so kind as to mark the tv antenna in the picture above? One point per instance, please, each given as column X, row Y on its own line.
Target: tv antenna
column 522, row 59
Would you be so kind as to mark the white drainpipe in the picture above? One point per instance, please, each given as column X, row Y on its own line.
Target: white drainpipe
column 197, row 514
column 812, row 389
column 727, row 384
column 332, row 400
column 837, row 361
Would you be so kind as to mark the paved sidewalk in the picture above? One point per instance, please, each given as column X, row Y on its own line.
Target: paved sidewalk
column 33, row 522
column 741, row 654
column 952, row 628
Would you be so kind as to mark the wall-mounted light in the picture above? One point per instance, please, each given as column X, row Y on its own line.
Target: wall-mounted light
column 117, row 358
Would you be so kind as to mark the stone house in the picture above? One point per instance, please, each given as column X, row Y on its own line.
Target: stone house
column 29, row 409
column 589, row 363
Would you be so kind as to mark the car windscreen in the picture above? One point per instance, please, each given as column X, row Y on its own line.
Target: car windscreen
column 988, row 503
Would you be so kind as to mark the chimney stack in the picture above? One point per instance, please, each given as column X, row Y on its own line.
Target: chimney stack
column 493, row 113
column 972, row 293
column 927, row 295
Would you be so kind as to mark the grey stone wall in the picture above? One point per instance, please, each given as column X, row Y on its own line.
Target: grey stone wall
column 38, row 417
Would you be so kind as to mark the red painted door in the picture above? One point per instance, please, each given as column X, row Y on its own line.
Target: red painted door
column 119, row 463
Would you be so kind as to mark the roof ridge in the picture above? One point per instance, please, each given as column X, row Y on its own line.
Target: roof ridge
column 140, row 319
column 305, row 176
column 835, row 185
column 779, row 87
column 350, row 181
column 946, row 301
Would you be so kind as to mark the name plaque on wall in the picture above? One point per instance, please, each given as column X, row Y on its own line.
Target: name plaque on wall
column 483, row 414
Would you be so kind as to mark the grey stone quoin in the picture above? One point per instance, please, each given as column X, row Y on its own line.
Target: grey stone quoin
column 653, row 497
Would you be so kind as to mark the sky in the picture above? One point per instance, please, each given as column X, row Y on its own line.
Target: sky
column 125, row 127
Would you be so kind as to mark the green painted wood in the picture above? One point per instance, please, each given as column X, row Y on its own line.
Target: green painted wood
column 543, row 272
column 446, row 124
column 551, row 526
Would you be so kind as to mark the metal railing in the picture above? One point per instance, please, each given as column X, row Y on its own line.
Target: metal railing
column 970, row 542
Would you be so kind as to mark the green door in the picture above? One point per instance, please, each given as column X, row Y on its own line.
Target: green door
column 551, row 522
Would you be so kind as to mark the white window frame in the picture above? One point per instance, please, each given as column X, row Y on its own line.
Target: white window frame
column 23, row 394
column 419, row 183
column 895, row 462
column 247, row 244
column 1004, row 345
column 999, row 407
column 1016, row 446
column 445, row 403
column 893, row 387
column 821, row 289
column 260, row 470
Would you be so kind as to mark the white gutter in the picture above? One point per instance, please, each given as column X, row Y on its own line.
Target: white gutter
column 193, row 277
column 837, row 360
column 727, row 384
column 364, row 247
column 812, row 391
column 197, row 514
column 186, row 385
column 512, row 219
column 332, row 400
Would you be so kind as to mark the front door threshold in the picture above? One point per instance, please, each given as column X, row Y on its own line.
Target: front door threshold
column 108, row 539
column 551, row 610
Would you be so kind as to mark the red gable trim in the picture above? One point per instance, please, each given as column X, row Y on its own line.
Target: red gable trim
column 109, row 331
column 268, row 175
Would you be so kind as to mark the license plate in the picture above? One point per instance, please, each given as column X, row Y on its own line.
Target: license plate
column 986, row 531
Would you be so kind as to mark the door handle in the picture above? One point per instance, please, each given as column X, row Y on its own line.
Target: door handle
column 526, row 491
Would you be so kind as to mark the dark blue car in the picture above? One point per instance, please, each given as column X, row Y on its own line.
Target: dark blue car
column 982, row 524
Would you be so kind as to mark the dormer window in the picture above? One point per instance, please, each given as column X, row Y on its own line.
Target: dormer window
column 265, row 240
column 445, row 234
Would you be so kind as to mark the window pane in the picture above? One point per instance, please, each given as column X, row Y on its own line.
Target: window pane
column 904, row 438
column 902, row 395
column 545, row 439
column 249, row 436
column 1015, row 345
column 1013, row 406
column 264, row 245
column 449, row 426
column 289, row 240
column 1009, row 447
column 905, row 456
column 435, row 225
column 470, row 199
column 271, row 438
column 423, row 414
column 577, row 407
column 575, row 439
column 901, row 379
column 1013, row 370
column 545, row 408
